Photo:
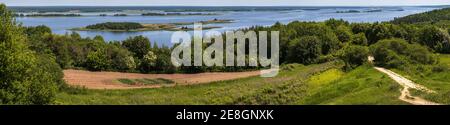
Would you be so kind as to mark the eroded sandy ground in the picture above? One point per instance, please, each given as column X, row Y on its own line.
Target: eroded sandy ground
column 108, row 80
column 408, row 84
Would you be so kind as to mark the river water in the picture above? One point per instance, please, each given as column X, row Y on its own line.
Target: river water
column 242, row 16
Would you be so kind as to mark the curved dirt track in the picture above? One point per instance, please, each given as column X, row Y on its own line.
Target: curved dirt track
column 408, row 84
column 108, row 80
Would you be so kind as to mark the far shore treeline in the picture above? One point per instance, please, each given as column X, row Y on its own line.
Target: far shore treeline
column 33, row 58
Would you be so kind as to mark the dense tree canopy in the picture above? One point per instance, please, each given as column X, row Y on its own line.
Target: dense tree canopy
column 26, row 78
column 305, row 49
column 435, row 38
column 139, row 45
column 432, row 16
column 354, row 55
column 116, row 26
column 397, row 53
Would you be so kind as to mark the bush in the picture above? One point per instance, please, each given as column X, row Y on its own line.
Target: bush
column 25, row 77
column 343, row 33
column 139, row 45
column 360, row 39
column 354, row 56
column 97, row 60
column 440, row 68
column 435, row 38
column 378, row 32
column 121, row 59
column 148, row 63
column 395, row 53
column 360, row 27
column 304, row 50
column 335, row 24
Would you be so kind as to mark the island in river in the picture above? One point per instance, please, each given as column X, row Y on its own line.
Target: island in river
column 134, row 27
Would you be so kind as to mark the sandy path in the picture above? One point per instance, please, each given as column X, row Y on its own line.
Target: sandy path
column 107, row 80
column 407, row 84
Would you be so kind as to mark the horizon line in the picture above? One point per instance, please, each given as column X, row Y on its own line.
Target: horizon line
column 225, row 5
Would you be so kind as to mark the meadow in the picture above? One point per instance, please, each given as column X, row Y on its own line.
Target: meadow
column 319, row 84
column 432, row 77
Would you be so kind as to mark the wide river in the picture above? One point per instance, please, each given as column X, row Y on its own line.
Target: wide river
column 60, row 25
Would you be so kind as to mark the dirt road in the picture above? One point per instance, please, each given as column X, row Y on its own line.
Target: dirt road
column 108, row 80
column 408, row 84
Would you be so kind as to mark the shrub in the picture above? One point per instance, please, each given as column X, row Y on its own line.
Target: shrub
column 360, row 39
column 440, row 68
column 148, row 62
column 121, row 59
column 394, row 53
column 354, row 56
column 435, row 38
column 139, row 45
column 305, row 50
column 97, row 60
column 343, row 33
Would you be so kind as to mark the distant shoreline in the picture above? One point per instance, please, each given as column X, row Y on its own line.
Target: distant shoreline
column 190, row 8
column 156, row 26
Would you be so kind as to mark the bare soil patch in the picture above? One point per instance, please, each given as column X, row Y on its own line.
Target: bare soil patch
column 108, row 80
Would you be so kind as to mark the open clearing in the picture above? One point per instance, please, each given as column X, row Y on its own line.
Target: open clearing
column 109, row 80
column 294, row 85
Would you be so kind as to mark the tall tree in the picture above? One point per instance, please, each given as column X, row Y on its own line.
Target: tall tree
column 22, row 81
column 139, row 45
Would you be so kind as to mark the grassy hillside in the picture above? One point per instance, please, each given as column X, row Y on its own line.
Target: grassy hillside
column 225, row 92
column 431, row 16
column 435, row 77
column 296, row 84
column 363, row 85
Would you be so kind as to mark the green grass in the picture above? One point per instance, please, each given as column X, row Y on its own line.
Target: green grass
column 146, row 81
column 224, row 92
column 444, row 59
column 434, row 80
column 295, row 84
column 127, row 81
column 326, row 77
column 363, row 85
column 287, row 92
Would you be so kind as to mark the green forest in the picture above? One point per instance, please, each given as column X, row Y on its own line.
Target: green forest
column 32, row 58
column 116, row 26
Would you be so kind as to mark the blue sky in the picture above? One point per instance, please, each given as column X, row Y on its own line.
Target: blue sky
column 223, row 2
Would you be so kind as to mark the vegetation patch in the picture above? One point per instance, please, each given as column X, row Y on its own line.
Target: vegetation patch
column 434, row 77
column 133, row 26
column 127, row 81
column 146, row 81
column 363, row 85
column 326, row 77
column 432, row 16
column 444, row 59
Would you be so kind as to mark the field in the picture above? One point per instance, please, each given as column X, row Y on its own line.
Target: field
column 223, row 92
column 116, row 80
column 296, row 84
